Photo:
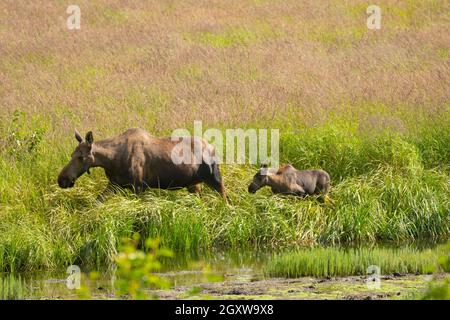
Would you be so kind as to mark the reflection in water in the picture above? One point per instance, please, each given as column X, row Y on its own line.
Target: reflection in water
column 180, row 271
column 12, row 287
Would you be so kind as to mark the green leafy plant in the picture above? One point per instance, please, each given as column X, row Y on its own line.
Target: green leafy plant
column 136, row 268
column 21, row 141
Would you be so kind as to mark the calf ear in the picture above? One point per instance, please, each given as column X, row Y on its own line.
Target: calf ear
column 89, row 138
column 78, row 136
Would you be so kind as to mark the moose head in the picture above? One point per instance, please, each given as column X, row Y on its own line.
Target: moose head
column 82, row 159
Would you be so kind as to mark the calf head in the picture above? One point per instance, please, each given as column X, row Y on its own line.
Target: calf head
column 260, row 179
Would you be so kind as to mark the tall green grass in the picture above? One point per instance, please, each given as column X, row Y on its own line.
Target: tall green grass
column 331, row 262
column 386, row 185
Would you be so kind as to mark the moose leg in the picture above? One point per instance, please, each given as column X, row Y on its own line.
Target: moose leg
column 218, row 186
column 137, row 171
column 138, row 186
column 322, row 184
column 298, row 191
column 195, row 188
column 110, row 189
column 212, row 177
column 322, row 188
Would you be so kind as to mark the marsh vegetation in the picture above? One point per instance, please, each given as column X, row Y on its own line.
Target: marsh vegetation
column 369, row 107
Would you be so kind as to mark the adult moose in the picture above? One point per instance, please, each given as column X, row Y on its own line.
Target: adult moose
column 137, row 160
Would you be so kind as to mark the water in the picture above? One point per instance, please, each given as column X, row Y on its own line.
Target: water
column 178, row 271
column 239, row 274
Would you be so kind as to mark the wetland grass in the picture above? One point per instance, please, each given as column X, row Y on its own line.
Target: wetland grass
column 371, row 108
column 397, row 199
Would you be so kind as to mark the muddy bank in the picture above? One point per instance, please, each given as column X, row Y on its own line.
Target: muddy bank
column 348, row 288
column 248, row 287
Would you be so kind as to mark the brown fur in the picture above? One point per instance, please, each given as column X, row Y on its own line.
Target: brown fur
column 288, row 180
column 137, row 160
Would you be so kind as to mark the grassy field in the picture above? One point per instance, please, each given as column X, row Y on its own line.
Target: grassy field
column 370, row 107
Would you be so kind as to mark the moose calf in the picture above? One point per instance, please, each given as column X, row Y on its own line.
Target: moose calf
column 288, row 180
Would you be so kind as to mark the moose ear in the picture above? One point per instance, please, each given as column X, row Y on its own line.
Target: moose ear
column 89, row 138
column 78, row 136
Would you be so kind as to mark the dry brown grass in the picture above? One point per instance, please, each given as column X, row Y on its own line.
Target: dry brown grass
column 162, row 64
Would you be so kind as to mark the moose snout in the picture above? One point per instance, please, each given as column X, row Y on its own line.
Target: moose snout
column 65, row 182
column 252, row 188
